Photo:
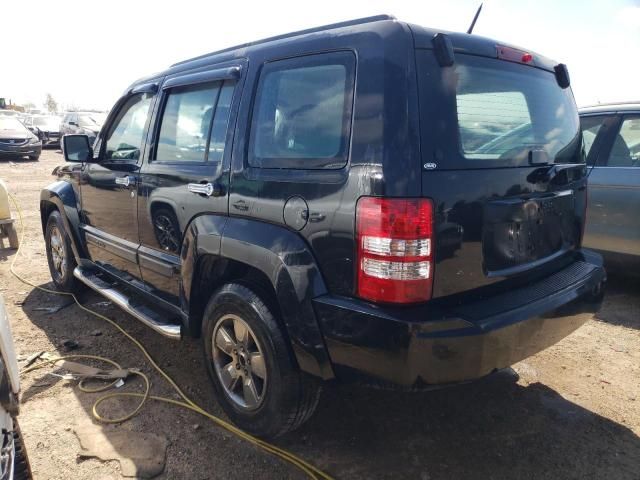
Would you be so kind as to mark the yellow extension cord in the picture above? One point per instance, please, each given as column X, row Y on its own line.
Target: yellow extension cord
column 307, row 468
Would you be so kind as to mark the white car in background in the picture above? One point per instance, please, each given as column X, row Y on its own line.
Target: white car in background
column 14, row 464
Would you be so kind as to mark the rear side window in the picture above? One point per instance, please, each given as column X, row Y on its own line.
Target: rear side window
column 220, row 123
column 625, row 151
column 302, row 112
column 506, row 111
column 186, row 118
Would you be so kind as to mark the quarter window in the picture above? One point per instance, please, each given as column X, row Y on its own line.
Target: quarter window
column 124, row 140
column 302, row 112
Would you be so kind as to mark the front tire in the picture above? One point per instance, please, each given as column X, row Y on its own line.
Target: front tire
column 254, row 377
column 60, row 255
column 22, row 468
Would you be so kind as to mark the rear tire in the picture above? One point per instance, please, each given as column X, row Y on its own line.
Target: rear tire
column 60, row 255
column 284, row 396
column 34, row 158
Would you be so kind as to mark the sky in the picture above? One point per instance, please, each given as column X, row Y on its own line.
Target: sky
column 85, row 53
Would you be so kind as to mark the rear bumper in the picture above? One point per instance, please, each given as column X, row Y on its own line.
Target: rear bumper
column 435, row 344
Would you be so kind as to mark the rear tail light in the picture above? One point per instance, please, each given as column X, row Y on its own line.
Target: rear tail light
column 395, row 249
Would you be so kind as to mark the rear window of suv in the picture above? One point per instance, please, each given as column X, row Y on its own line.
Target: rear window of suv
column 506, row 110
column 488, row 113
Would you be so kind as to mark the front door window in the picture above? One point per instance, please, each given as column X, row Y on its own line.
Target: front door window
column 124, row 139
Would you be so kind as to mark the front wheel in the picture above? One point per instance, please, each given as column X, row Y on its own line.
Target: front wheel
column 21, row 466
column 60, row 255
column 254, row 378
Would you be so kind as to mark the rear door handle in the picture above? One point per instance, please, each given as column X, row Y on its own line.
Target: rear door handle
column 126, row 181
column 207, row 189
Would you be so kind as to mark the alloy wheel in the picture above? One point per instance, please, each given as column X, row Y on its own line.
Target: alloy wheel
column 56, row 243
column 239, row 362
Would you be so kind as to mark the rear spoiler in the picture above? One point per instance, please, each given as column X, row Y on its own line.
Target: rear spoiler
column 445, row 54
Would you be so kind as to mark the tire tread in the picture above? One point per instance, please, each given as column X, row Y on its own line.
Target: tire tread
column 303, row 390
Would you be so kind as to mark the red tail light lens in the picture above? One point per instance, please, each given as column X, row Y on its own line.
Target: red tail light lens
column 514, row 55
column 395, row 249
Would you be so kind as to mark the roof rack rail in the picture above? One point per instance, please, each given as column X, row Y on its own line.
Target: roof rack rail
column 348, row 23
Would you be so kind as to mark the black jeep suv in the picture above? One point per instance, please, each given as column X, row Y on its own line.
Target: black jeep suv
column 368, row 201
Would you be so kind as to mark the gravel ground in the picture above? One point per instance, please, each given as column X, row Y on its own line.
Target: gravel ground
column 572, row 411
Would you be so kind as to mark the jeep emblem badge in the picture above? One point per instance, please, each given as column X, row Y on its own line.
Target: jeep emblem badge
column 430, row 166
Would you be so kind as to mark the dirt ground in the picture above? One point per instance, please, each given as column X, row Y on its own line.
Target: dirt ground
column 572, row 411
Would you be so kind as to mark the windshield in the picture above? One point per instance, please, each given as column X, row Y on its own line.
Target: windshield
column 506, row 111
column 10, row 123
column 50, row 123
column 91, row 120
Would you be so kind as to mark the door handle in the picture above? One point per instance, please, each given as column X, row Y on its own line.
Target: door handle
column 207, row 189
column 126, row 181
column 241, row 205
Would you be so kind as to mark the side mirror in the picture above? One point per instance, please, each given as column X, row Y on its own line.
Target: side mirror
column 77, row 148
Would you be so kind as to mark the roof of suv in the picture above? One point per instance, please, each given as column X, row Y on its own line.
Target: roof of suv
column 462, row 43
column 612, row 107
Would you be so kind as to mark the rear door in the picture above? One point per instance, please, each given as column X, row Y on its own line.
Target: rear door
column 187, row 170
column 614, row 185
column 502, row 159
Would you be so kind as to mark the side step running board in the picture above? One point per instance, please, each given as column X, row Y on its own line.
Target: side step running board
column 143, row 314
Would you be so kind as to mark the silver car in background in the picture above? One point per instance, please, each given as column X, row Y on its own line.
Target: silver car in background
column 612, row 142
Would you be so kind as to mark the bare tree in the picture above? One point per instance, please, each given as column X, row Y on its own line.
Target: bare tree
column 51, row 104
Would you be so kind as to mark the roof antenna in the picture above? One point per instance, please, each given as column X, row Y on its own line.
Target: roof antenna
column 473, row 24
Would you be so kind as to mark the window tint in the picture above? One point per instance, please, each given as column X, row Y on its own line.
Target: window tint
column 126, row 134
column 302, row 112
column 507, row 110
column 591, row 126
column 626, row 146
column 493, row 122
column 220, row 121
column 185, row 123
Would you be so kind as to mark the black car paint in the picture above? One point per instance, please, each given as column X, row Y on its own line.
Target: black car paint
column 311, row 268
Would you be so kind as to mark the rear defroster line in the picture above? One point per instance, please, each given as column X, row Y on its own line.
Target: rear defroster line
column 307, row 468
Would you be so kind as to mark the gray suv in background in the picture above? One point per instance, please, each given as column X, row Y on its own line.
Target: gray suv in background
column 84, row 123
column 612, row 142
